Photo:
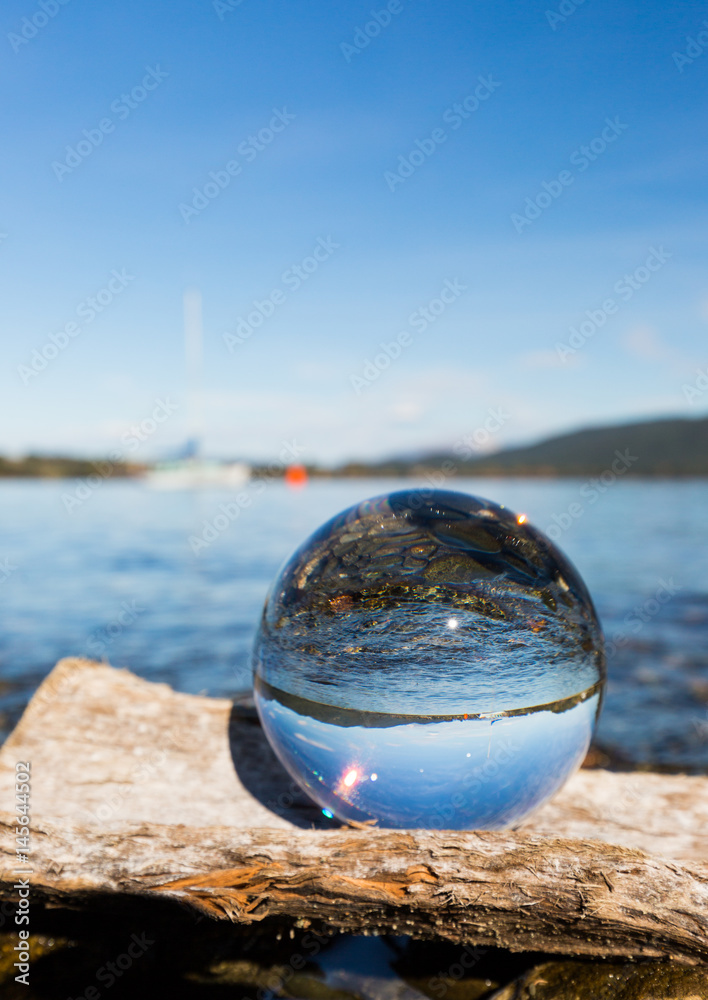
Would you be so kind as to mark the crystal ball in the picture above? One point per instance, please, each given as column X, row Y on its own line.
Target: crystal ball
column 429, row 659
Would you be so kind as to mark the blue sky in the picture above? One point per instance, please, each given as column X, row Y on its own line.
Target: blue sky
column 339, row 172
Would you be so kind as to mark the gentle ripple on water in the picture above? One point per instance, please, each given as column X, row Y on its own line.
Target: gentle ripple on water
column 116, row 579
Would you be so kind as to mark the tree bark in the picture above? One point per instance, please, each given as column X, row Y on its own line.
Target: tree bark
column 140, row 793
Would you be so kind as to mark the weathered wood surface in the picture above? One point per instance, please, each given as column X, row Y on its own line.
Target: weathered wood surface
column 140, row 792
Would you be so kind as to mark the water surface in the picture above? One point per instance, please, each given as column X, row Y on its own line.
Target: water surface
column 118, row 579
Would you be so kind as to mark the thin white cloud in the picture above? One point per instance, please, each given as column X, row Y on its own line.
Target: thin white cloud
column 645, row 343
column 406, row 411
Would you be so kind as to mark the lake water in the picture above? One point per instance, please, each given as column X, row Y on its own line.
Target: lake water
column 116, row 578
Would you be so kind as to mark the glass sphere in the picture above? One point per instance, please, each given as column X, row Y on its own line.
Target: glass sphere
column 429, row 659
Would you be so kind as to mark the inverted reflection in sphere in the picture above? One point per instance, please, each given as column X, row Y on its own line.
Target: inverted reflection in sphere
column 429, row 659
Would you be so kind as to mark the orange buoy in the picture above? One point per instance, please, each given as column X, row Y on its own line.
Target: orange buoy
column 296, row 477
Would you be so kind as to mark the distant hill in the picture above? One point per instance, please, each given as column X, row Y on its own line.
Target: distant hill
column 673, row 447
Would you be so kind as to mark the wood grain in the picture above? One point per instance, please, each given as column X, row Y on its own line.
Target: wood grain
column 139, row 792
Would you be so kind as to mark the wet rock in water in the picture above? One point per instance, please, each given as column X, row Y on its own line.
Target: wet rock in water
column 585, row 981
column 358, row 968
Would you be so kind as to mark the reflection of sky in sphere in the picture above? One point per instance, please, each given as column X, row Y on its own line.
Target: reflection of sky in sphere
column 460, row 774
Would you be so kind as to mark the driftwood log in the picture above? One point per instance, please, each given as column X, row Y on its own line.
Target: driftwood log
column 140, row 792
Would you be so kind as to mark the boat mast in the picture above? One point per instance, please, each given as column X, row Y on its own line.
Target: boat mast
column 194, row 355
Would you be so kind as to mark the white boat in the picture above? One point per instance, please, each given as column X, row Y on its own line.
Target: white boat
column 197, row 474
column 191, row 471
